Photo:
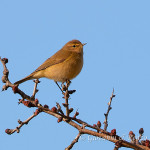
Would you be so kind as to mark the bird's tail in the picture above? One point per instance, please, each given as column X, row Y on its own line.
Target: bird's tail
column 24, row 79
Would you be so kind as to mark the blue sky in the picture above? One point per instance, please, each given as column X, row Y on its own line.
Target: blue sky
column 117, row 55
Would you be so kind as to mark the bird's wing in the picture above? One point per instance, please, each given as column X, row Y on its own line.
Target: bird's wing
column 57, row 58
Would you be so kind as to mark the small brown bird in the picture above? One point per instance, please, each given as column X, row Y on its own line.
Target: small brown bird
column 64, row 65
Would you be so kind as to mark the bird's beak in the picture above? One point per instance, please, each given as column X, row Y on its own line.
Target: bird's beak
column 84, row 44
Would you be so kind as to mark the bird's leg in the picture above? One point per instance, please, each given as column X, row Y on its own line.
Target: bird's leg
column 59, row 87
column 68, row 82
column 63, row 86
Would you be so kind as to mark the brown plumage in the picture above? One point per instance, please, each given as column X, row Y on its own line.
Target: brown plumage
column 64, row 65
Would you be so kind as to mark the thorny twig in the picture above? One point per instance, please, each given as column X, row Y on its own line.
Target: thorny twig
column 109, row 108
column 73, row 121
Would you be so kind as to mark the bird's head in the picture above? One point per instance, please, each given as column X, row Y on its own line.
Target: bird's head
column 75, row 46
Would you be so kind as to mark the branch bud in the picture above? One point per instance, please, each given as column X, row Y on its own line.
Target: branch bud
column 132, row 136
column 54, row 109
column 99, row 124
column 46, row 106
column 147, row 143
column 17, row 130
column 36, row 101
column 6, row 72
column 5, row 60
column 141, row 131
column 64, row 104
column 94, row 125
column 71, row 91
column 60, row 119
column 70, row 110
column 8, row 131
column 28, row 104
column 113, row 132
column 4, row 88
column 19, row 121
column 15, row 88
column 3, row 79
column 76, row 114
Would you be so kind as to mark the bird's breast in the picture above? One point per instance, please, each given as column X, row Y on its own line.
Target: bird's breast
column 68, row 69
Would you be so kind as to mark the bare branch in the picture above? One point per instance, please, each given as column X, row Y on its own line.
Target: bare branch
column 35, row 90
column 109, row 108
column 80, row 125
column 5, row 78
column 67, row 97
column 73, row 142
column 8, row 84
column 59, row 108
column 17, row 129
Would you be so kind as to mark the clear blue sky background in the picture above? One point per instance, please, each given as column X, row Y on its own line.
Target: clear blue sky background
column 117, row 56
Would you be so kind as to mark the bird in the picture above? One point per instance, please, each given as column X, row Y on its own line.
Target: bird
column 64, row 65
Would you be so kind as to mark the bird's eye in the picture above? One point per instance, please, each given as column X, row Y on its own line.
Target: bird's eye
column 74, row 45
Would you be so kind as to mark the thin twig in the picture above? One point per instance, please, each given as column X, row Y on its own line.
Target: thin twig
column 35, row 90
column 5, row 79
column 66, row 96
column 59, row 108
column 73, row 142
column 109, row 108
column 17, row 129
